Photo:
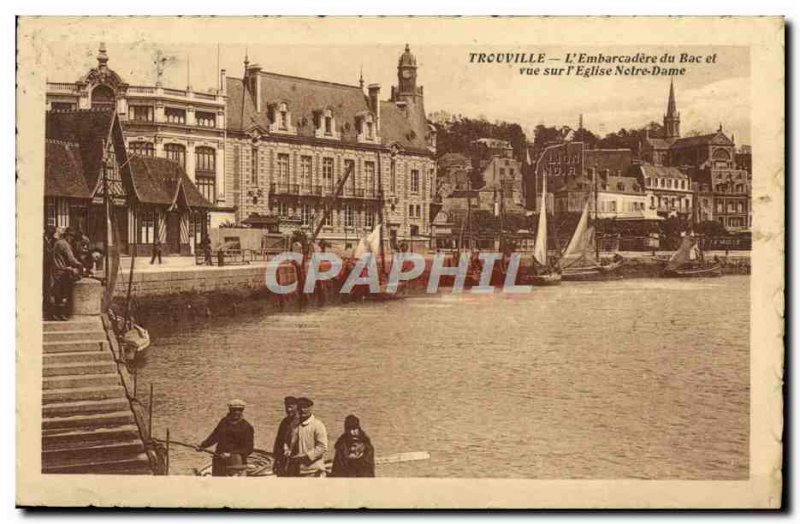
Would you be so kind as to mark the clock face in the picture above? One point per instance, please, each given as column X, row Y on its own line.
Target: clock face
column 406, row 73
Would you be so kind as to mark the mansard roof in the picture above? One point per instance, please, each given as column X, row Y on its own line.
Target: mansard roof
column 406, row 127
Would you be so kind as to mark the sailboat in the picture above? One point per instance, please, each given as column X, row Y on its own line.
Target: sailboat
column 579, row 260
column 688, row 261
column 544, row 273
column 372, row 245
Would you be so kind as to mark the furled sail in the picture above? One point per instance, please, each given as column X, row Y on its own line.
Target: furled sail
column 581, row 248
column 369, row 244
column 540, row 247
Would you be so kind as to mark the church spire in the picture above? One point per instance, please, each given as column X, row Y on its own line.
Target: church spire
column 671, row 109
column 672, row 120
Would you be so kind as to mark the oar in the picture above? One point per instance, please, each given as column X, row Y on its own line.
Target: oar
column 184, row 444
column 408, row 456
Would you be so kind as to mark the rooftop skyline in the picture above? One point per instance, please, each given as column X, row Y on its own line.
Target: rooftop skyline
column 706, row 96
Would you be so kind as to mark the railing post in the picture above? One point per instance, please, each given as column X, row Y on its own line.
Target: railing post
column 150, row 411
column 166, row 465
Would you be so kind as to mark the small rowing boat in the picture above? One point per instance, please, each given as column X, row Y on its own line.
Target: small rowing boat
column 259, row 463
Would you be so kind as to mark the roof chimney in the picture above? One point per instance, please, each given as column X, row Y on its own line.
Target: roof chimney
column 253, row 81
column 375, row 103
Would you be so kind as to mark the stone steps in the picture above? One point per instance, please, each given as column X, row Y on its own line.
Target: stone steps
column 81, row 381
column 67, row 437
column 84, row 324
column 76, row 335
column 57, row 457
column 78, row 368
column 67, row 409
column 79, row 394
column 89, row 421
column 73, row 357
column 136, row 465
column 74, row 346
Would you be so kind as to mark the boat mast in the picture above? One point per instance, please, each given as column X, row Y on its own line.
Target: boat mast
column 106, row 269
column 380, row 214
column 328, row 207
column 596, row 243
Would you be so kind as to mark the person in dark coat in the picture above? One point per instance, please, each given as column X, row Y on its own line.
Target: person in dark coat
column 47, row 271
column 282, row 446
column 156, row 250
column 234, row 439
column 355, row 456
column 67, row 270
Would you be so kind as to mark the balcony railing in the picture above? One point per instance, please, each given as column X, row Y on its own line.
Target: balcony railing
column 285, row 189
column 141, row 90
column 62, row 87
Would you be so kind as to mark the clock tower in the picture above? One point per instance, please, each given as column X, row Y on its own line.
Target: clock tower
column 407, row 73
column 406, row 88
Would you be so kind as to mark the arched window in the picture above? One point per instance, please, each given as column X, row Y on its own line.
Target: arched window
column 103, row 98
column 176, row 153
column 142, row 148
column 721, row 154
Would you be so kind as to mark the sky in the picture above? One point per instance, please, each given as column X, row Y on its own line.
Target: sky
column 707, row 95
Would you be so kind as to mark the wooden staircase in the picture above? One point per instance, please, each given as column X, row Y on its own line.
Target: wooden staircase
column 87, row 422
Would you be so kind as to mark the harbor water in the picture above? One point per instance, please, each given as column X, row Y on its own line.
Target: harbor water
column 586, row 380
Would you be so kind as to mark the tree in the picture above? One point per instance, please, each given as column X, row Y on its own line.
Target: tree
column 588, row 138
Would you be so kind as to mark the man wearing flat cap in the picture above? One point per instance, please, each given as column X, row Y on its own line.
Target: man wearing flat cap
column 234, row 439
column 308, row 449
column 283, row 438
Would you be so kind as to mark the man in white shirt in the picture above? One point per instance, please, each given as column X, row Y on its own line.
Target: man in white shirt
column 312, row 442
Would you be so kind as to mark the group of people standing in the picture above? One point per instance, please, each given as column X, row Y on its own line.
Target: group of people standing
column 300, row 444
column 66, row 258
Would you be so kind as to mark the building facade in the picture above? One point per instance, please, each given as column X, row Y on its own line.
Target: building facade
column 669, row 190
column 290, row 140
column 182, row 125
column 719, row 175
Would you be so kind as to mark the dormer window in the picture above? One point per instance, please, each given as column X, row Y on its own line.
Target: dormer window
column 283, row 117
column 325, row 122
column 367, row 127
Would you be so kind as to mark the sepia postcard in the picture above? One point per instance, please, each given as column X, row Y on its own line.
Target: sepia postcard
column 434, row 262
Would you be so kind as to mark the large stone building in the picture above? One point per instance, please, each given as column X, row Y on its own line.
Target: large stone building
column 720, row 178
column 183, row 125
column 290, row 140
